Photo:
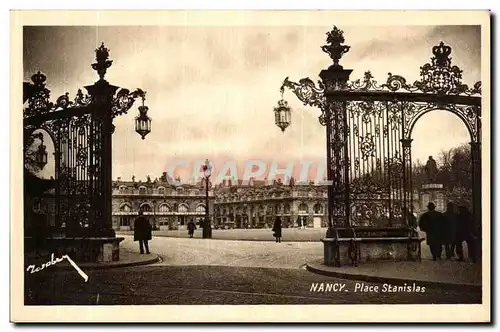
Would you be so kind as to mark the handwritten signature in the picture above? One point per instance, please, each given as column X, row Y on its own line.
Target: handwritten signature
column 56, row 260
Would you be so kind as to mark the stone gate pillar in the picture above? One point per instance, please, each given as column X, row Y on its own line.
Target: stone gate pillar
column 102, row 93
column 335, row 114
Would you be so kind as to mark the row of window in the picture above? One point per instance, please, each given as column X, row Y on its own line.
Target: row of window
column 200, row 208
column 178, row 220
column 161, row 190
column 273, row 195
column 303, row 208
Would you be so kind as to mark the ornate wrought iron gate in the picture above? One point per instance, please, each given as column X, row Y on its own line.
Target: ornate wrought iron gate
column 81, row 131
column 369, row 129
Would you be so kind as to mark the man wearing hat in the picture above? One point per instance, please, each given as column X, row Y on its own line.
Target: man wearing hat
column 432, row 223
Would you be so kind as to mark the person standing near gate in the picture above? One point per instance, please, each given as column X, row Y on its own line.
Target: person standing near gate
column 277, row 229
column 142, row 232
column 431, row 222
column 466, row 232
column 450, row 230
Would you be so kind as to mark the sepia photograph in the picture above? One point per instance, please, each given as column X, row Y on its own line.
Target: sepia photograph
column 204, row 166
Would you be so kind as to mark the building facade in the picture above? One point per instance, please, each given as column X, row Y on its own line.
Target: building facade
column 257, row 204
column 165, row 205
column 253, row 205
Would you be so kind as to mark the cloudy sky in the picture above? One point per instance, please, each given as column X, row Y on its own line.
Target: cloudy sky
column 211, row 90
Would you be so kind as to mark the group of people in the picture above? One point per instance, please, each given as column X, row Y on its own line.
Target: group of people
column 449, row 230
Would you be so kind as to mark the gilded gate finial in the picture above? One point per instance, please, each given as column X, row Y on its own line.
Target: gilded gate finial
column 102, row 61
column 335, row 49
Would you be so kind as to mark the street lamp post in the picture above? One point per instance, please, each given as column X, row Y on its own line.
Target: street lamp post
column 207, row 227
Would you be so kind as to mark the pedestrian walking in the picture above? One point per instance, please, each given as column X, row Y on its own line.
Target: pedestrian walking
column 277, row 229
column 142, row 232
column 466, row 232
column 450, row 230
column 191, row 227
column 431, row 222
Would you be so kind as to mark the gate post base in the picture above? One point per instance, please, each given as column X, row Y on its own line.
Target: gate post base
column 362, row 245
column 79, row 249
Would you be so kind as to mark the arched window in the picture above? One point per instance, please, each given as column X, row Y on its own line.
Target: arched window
column 182, row 208
column 146, row 207
column 318, row 208
column 123, row 188
column 142, row 190
column 125, row 208
column 161, row 190
column 200, row 208
column 164, row 208
column 303, row 208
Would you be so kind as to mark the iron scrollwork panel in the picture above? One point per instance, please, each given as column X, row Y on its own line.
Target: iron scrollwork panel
column 73, row 175
column 376, row 163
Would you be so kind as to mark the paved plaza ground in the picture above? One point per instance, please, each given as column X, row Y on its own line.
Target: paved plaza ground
column 292, row 238
column 261, row 234
column 202, row 271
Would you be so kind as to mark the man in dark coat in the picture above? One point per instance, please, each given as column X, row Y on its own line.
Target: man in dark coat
column 431, row 222
column 277, row 229
column 466, row 232
column 450, row 230
column 142, row 232
column 191, row 227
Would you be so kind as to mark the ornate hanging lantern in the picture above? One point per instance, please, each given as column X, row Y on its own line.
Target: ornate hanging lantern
column 143, row 121
column 282, row 113
column 41, row 155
